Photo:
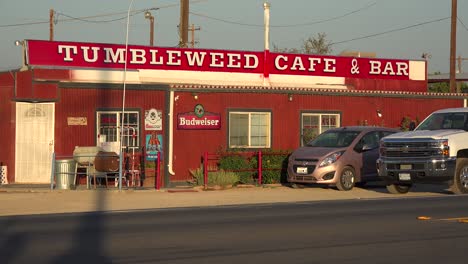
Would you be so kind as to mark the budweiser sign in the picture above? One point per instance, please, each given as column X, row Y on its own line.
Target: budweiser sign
column 96, row 55
column 198, row 119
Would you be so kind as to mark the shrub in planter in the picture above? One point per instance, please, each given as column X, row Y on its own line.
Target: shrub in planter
column 239, row 164
column 219, row 178
column 274, row 166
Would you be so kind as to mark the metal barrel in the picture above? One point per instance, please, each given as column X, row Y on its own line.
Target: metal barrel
column 65, row 173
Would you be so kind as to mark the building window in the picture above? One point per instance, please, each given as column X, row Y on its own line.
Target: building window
column 108, row 124
column 249, row 129
column 313, row 124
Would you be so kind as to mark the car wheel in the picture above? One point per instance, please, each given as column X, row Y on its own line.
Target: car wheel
column 398, row 188
column 346, row 179
column 460, row 181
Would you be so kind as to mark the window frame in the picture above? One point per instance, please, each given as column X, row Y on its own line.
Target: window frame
column 319, row 114
column 118, row 112
column 249, row 112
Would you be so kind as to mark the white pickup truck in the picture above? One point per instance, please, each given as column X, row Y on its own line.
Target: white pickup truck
column 436, row 151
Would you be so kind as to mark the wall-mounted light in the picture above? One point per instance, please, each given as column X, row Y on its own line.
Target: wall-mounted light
column 379, row 113
column 195, row 96
column 22, row 44
column 290, row 97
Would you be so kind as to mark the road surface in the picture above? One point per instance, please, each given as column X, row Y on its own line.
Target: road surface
column 341, row 231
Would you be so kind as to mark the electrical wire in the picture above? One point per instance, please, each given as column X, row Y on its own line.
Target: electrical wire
column 463, row 24
column 87, row 18
column 83, row 19
column 390, row 31
column 289, row 25
column 24, row 24
column 102, row 21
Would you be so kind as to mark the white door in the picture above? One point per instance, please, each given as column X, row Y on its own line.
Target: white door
column 34, row 142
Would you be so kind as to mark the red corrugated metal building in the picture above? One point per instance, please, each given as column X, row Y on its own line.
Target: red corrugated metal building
column 190, row 101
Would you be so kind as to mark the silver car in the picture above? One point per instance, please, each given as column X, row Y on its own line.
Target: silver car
column 340, row 157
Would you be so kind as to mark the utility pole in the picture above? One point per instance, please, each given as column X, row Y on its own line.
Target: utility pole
column 183, row 25
column 51, row 24
column 453, row 47
column 192, row 29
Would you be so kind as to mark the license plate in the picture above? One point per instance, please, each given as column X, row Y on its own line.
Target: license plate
column 404, row 176
column 301, row 170
column 406, row 167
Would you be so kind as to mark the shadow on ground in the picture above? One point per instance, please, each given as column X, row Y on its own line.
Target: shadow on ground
column 380, row 187
column 89, row 237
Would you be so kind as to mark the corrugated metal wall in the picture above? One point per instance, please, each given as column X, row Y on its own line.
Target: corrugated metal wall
column 7, row 124
column 189, row 145
column 84, row 102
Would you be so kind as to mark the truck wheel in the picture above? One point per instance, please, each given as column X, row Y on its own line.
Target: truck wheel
column 398, row 188
column 346, row 179
column 460, row 182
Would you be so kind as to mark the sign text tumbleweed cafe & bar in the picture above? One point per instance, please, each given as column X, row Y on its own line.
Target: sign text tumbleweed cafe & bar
column 98, row 55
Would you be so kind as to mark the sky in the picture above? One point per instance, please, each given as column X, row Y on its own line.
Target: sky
column 399, row 29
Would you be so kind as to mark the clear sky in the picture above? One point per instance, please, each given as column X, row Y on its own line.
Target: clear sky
column 403, row 29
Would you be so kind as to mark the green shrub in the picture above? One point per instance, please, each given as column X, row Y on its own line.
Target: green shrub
column 274, row 166
column 220, row 178
column 241, row 165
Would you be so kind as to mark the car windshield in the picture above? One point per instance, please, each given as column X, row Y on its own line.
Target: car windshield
column 334, row 139
column 445, row 121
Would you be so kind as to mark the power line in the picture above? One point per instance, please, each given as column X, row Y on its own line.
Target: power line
column 87, row 18
column 461, row 22
column 24, row 24
column 390, row 31
column 289, row 25
column 83, row 19
column 102, row 21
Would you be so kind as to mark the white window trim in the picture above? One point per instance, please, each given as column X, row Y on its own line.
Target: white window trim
column 249, row 129
column 319, row 114
column 118, row 121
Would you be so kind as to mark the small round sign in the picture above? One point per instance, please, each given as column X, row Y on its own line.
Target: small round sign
column 199, row 110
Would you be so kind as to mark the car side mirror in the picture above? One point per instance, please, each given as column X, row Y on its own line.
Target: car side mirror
column 412, row 126
column 366, row 147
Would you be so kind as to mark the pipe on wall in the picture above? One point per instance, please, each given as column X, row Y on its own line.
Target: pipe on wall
column 171, row 133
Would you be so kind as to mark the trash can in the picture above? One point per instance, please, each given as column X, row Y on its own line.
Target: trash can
column 65, row 174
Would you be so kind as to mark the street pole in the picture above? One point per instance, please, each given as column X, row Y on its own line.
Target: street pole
column 152, row 31
column 183, row 25
column 51, row 25
column 149, row 16
column 453, row 47
column 123, row 100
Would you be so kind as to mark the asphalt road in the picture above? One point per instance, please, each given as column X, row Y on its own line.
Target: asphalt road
column 345, row 231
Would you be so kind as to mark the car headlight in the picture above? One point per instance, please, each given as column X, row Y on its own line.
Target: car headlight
column 444, row 148
column 331, row 158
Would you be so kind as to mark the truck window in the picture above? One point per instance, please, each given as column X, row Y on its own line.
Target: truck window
column 445, row 121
